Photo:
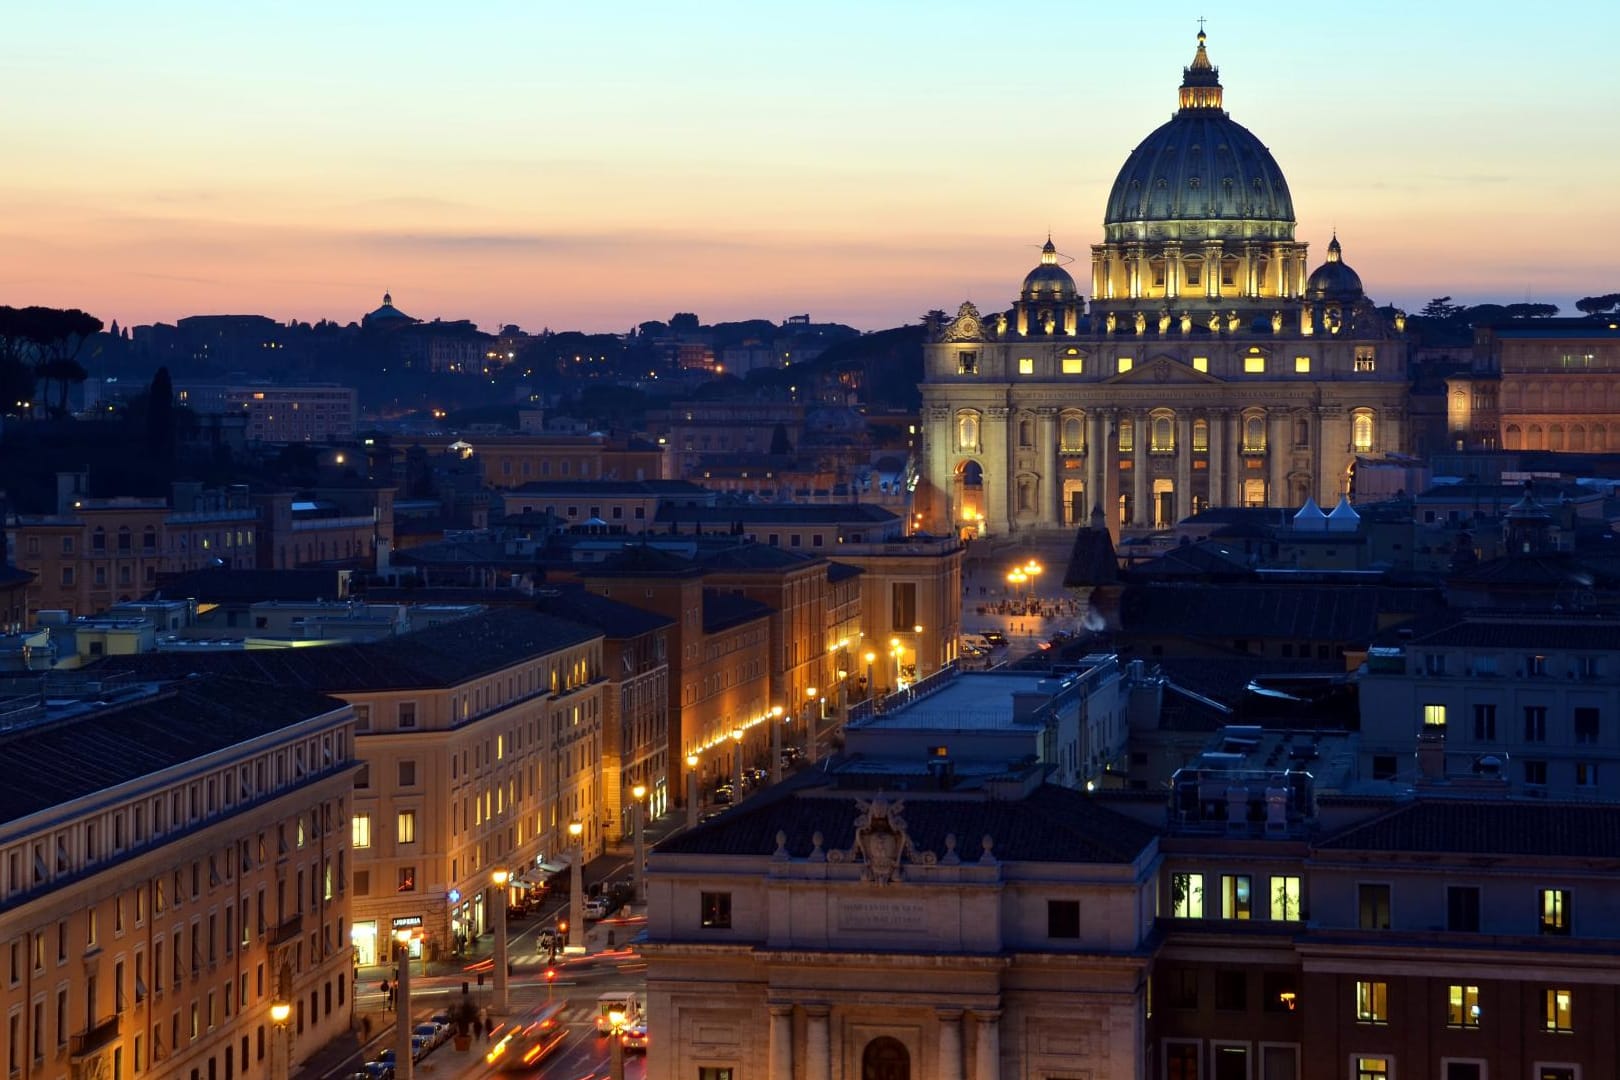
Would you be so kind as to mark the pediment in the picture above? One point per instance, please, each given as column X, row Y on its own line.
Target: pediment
column 1160, row 370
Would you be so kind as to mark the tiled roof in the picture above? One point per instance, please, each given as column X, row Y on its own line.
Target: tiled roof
column 191, row 718
column 1051, row 824
column 1297, row 612
column 1498, row 827
column 643, row 560
column 722, row 610
column 1518, row 630
column 224, row 584
column 615, row 619
column 444, row 655
column 756, row 557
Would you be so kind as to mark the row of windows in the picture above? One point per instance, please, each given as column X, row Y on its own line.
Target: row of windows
column 1161, row 431
column 1554, row 911
column 1585, row 722
column 1527, row 666
column 1463, row 1010
column 1253, row 363
column 1237, row 898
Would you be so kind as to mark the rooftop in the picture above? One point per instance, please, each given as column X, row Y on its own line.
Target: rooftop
column 614, row 619
column 1505, row 827
column 723, row 610
column 780, row 513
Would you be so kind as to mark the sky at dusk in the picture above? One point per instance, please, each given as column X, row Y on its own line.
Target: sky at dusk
column 590, row 166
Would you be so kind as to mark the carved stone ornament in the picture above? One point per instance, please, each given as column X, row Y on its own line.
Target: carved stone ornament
column 966, row 325
column 881, row 842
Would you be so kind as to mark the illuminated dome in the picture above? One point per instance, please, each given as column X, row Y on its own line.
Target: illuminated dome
column 1334, row 280
column 1200, row 174
column 1049, row 281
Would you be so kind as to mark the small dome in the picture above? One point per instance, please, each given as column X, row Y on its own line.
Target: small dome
column 1049, row 281
column 1344, row 517
column 1334, row 280
column 387, row 313
column 1310, row 518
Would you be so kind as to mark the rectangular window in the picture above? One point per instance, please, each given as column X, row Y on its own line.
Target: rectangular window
column 1181, row 1060
column 1026, row 365
column 1125, row 363
column 362, row 718
column 1232, row 991
column 1586, row 725
column 1366, row 360
column 714, row 1072
column 407, row 774
column 1372, row 1002
column 360, row 831
column 405, row 831
column 1535, row 773
column 1126, row 435
column 1462, row 1006
column 1187, row 896
column 1181, row 987
column 1074, row 365
column 407, row 714
column 1235, row 896
column 903, row 606
column 1254, row 365
column 1586, row 774
column 1555, row 1072
column 1285, row 899
column 1434, row 719
column 1373, row 1068
column 1484, row 723
column 1374, row 904
column 407, row 879
column 1201, row 363
column 1063, row 918
column 715, row 910
column 1302, row 365
column 967, row 363
column 1557, row 911
column 1535, row 723
column 1462, row 909
column 1560, row 1011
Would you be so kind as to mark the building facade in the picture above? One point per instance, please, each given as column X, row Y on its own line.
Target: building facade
column 1212, row 367
column 1539, row 384
column 314, row 413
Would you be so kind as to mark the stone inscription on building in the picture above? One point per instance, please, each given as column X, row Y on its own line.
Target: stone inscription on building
column 907, row 916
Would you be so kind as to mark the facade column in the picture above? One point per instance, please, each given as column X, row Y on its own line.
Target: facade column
column 994, row 441
column 939, row 440
column 1237, row 462
column 1051, row 501
column 987, row 1051
column 781, row 1042
column 1141, row 492
column 1184, row 451
column 1279, row 444
column 950, row 1045
column 817, row 1043
column 1096, row 456
column 1215, row 457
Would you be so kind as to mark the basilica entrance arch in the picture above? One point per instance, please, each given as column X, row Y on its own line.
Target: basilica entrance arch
column 885, row 1058
column 967, row 499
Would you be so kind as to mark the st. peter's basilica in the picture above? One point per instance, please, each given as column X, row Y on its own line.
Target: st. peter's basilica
column 1211, row 367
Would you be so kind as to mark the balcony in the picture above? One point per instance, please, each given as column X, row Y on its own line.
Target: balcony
column 288, row 931
column 101, row 1035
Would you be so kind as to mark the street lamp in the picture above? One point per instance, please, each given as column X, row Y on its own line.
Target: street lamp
column 498, row 899
column 404, row 1066
column 617, row 1017
column 280, row 1051
column 576, row 883
column 810, row 724
column 737, row 739
column 871, row 687
column 691, row 791
column 640, row 793
column 776, row 744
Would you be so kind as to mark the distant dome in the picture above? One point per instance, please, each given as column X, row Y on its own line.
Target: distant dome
column 388, row 313
column 1334, row 280
column 1310, row 518
column 1202, row 166
column 1049, row 281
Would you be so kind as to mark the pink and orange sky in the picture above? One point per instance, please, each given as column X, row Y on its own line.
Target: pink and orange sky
column 593, row 166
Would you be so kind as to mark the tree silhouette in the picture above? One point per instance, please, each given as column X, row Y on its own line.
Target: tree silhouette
column 56, row 336
column 160, row 416
column 1598, row 305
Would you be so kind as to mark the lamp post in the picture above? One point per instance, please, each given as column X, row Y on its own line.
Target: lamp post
column 498, row 898
column 894, row 654
column 691, row 791
column 576, row 884
column 280, row 1052
column 404, row 1066
column 871, row 687
column 616, row 1050
column 916, row 652
column 776, row 744
column 810, row 724
column 640, row 792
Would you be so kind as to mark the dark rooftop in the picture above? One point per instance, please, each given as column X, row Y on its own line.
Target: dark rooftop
column 750, row 556
column 615, row 619
column 1497, row 827
column 779, row 513
column 1290, row 612
column 837, row 571
column 1517, row 630
column 58, row 761
column 643, row 560
column 224, row 585
column 722, row 610
column 611, row 488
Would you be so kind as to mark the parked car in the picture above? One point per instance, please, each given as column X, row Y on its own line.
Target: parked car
column 724, row 794
column 598, row 907
column 432, row 1034
column 995, row 638
column 380, row 1070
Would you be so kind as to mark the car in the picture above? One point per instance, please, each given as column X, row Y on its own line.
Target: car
column 995, row 638
column 724, row 794
column 420, row 1045
column 379, row 1070
column 598, row 907
column 432, row 1034
column 633, row 1036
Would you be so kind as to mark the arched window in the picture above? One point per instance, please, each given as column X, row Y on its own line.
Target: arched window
column 885, row 1059
column 1072, row 434
column 1597, row 437
column 1127, row 434
column 1200, row 436
column 1026, row 432
column 1555, row 436
column 1361, row 431
column 1254, row 434
column 1164, row 432
column 1513, row 438
column 1577, row 437
column 967, row 431
column 1538, row 438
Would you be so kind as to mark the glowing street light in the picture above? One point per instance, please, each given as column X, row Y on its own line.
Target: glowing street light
column 640, row 810
column 812, row 718
column 404, row 1065
column 280, row 1051
column 497, row 896
column 576, row 882
column 691, row 791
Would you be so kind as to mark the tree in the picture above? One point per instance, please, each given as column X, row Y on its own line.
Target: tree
column 160, row 416
column 1598, row 305
column 1532, row 311
column 56, row 336
column 684, row 322
column 1441, row 307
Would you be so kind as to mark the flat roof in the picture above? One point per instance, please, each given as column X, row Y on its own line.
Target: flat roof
column 974, row 700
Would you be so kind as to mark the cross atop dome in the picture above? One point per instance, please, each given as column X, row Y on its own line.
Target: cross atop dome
column 1201, row 82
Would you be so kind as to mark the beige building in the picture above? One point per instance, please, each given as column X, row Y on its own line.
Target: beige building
column 1540, row 384
column 175, row 859
column 1211, row 367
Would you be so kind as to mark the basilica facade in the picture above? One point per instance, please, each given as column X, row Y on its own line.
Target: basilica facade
column 1211, row 366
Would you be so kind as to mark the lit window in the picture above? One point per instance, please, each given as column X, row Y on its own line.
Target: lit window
column 1026, row 365
column 1200, row 436
column 1235, row 896
column 1366, row 360
column 1127, row 435
column 1302, row 365
column 1462, row 1007
column 967, row 363
column 407, row 826
column 1200, row 363
column 1372, row 1002
column 1074, row 365
column 1361, row 432
column 1372, row 1068
column 361, row 831
column 1434, row 719
column 1285, row 897
column 1254, row 365
column 1556, row 911
column 1125, row 364
column 1560, row 1011
column 1187, row 896
column 1163, row 434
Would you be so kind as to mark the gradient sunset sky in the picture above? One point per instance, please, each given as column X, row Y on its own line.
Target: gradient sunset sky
column 590, row 166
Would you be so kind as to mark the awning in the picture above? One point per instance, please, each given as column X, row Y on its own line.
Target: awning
column 546, row 869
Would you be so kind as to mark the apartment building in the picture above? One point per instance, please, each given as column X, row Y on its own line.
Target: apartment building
column 176, row 858
column 510, row 461
column 312, row 413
